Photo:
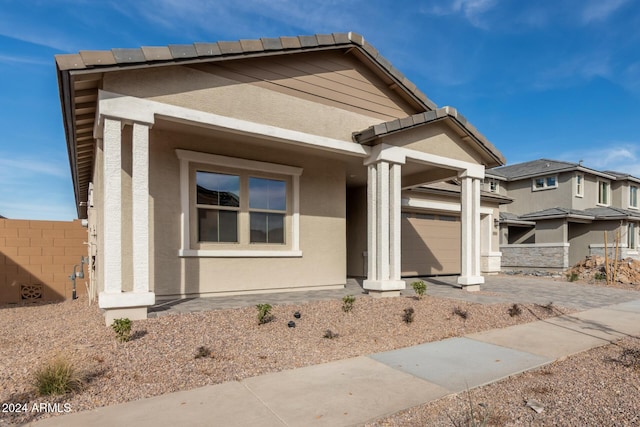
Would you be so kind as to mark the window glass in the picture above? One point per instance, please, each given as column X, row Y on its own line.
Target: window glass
column 603, row 192
column 633, row 196
column 267, row 194
column 579, row 185
column 539, row 182
column 631, row 232
column 267, row 227
column 551, row 181
column 217, row 226
column 218, row 189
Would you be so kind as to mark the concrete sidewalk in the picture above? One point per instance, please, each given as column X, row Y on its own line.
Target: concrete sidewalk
column 354, row 391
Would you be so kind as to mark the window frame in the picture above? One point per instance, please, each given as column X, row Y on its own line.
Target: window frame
column 633, row 196
column 545, row 185
column 579, row 187
column 631, row 236
column 599, row 200
column 191, row 161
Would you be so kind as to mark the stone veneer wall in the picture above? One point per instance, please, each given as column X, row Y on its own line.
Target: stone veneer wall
column 540, row 255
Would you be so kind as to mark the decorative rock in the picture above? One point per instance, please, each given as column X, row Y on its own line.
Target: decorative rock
column 291, row 324
column 296, row 314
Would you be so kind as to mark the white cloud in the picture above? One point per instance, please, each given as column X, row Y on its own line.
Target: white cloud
column 472, row 10
column 15, row 59
column 619, row 157
column 600, row 10
column 30, row 167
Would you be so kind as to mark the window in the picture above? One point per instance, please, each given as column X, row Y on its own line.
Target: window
column 633, row 196
column 545, row 182
column 491, row 185
column 235, row 207
column 579, row 185
column 218, row 205
column 267, row 210
column 603, row 193
column 631, row 235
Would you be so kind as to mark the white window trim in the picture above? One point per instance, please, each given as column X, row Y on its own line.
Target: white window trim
column 581, row 192
column 544, row 185
column 629, row 197
column 608, row 203
column 186, row 157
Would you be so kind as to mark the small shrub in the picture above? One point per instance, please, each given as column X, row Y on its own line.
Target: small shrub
column 515, row 310
column 329, row 334
column 347, row 303
column 600, row 276
column 572, row 277
column 264, row 313
column 460, row 312
column 122, row 328
column 57, row 377
column 420, row 288
column 548, row 307
column 203, row 352
column 407, row 317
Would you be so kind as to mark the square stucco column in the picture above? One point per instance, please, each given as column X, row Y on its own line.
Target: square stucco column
column 113, row 300
column 383, row 229
column 470, row 277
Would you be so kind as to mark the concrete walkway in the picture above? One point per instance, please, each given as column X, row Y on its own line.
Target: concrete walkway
column 354, row 391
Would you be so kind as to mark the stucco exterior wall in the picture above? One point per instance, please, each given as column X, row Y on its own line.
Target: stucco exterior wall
column 526, row 200
column 231, row 94
column 439, row 139
column 322, row 225
column 551, row 231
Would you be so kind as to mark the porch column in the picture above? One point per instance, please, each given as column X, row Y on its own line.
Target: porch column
column 112, row 233
column 116, row 302
column 140, row 211
column 470, row 277
column 383, row 229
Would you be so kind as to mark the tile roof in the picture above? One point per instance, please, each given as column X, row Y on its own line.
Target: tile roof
column 532, row 168
column 557, row 212
column 180, row 53
column 599, row 213
column 386, row 128
column 547, row 166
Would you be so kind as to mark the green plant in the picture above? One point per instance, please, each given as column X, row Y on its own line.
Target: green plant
column 264, row 313
column 203, row 352
column 57, row 377
column 420, row 288
column 460, row 312
column 600, row 276
column 407, row 317
column 573, row 276
column 347, row 303
column 329, row 334
column 515, row 310
column 122, row 328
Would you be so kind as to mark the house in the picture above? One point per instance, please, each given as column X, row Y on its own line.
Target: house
column 561, row 211
column 268, row 165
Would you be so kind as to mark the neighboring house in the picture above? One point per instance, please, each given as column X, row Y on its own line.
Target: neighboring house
column 268, row 165
column 561, row 210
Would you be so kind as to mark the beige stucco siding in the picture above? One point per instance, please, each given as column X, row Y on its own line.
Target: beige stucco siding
column 551, row 231
column 322, row 225
column 333, row 103
column 581, row 236
column 526, row 200
column 436, row 138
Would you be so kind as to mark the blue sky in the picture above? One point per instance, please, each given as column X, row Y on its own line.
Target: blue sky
column 547, row 78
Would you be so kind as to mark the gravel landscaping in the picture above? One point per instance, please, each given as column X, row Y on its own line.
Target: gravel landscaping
column 232, row 345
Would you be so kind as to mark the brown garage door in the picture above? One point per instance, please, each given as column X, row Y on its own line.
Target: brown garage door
column 430, row 244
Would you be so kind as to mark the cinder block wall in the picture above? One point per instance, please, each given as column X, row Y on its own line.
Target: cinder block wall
column 37, row 258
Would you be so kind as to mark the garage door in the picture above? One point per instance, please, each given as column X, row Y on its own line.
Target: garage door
column 430, row 244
